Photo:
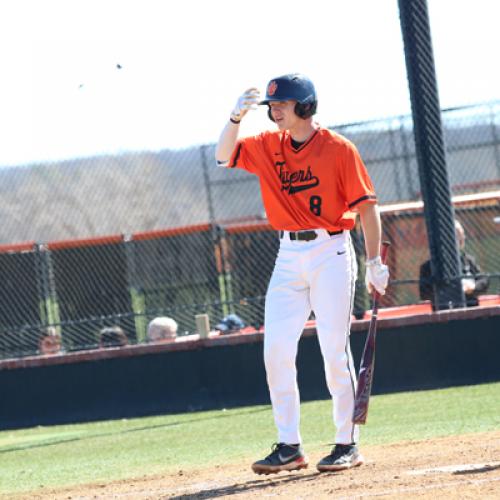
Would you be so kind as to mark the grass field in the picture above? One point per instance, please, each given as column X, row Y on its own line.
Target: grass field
column 103, row 451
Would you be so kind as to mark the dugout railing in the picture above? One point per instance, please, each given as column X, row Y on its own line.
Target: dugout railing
column 77, row 288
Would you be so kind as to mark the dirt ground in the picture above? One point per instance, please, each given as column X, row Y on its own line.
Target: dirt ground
column 462, row 467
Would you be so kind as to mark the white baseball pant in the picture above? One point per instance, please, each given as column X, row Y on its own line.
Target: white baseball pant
column 318, row 275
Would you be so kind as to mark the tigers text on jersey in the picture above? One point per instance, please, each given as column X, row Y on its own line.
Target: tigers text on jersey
column 315, row 186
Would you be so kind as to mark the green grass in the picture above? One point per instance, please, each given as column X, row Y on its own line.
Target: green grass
column 104, row 451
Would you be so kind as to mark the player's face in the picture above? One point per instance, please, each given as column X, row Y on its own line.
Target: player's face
column 460, row 236
column 283, row 113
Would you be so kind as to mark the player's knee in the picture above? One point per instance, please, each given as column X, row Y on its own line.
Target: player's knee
column 271, row 351
column 277, row 353
column 339, row 374
column 273, row 340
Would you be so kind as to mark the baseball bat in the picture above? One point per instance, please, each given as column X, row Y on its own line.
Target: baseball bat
column 367, row 364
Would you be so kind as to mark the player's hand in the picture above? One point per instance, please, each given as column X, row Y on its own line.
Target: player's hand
column 377, row 275
column 248, row 100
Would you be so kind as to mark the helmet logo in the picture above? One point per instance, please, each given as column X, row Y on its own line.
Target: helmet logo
column 272, row 87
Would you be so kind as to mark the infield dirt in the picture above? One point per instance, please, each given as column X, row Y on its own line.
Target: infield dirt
column 458, row 467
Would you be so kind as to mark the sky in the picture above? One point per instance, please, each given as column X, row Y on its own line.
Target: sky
column 87, row 77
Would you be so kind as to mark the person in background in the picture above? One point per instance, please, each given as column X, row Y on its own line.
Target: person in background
column 50, row 341
column 162, row 329
column 472, row 285
column 112, row 336
column 230, row 324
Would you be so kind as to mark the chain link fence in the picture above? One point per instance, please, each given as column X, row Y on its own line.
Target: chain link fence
column 111, row 242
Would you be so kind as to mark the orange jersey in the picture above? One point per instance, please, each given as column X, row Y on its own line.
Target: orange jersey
column 318, row 185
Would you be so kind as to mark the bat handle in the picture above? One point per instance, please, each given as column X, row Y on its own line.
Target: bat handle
column 383, row 251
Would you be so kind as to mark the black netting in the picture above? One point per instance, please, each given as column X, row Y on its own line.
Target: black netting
column 176, row 275
column 91, row 289
column 196, row 239
column 22, row 304
column 431, row 155
column 20, row 291
column 251, row 255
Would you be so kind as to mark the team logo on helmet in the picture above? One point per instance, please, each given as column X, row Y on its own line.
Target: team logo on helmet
column 272, row 88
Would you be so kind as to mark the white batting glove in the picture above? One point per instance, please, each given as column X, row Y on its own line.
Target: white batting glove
column 377, row 275
column 248, row 100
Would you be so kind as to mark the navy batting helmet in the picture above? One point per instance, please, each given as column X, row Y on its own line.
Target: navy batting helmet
column 293, row 87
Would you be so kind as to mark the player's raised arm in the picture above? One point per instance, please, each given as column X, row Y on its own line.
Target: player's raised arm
column 227, row 140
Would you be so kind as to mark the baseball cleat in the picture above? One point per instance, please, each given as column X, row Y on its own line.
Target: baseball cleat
column 282, row 457
column 343, row 456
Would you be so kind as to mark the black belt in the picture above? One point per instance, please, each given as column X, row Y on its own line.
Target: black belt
column 307, row 235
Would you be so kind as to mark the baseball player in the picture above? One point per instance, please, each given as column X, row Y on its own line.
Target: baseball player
column 313, row 182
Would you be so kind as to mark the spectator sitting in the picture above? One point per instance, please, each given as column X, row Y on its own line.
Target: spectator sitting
column 230, row 324
column 162, row 329
column 50, row 341
column 471, row 285
column 112, row 336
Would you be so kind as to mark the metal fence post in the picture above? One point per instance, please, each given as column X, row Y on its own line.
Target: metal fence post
column 496, row 138
column 430, row 150
column 206, row 179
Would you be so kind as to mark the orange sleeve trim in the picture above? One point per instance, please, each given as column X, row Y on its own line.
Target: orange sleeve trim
column 363, row 198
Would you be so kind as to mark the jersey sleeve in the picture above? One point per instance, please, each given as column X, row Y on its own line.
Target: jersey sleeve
column 355, row 181
column 248, row 153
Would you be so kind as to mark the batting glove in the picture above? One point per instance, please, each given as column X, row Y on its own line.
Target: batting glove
column 377, row 275
column 248, row 100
